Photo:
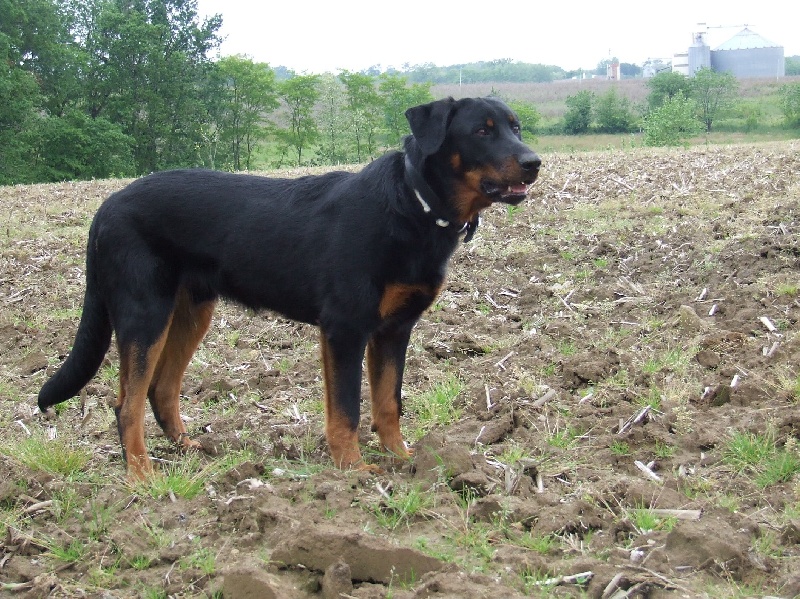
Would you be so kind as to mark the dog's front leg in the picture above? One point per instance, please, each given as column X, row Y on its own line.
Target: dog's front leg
column 386, row 355
column 342, row 354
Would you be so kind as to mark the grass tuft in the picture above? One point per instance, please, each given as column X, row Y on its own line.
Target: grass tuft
column 55, row 457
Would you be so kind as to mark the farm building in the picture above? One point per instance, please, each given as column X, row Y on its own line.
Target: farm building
column 746, row 54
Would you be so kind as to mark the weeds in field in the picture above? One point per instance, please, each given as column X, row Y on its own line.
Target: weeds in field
column 104, row 577
column 653, row 398
column 543, row 544
column 512, row 454
column 436, row 407
column 446, row 554
column 109, row 373
column 188, row 477
column 203, row 559
column 535, row 583
column 99, row 520
column 780, row 467
column 620, row 448
column 663, row 451
column 563, row 438
column 66, row 502
column 511, row 212
column 71, row 553
column 401, row 506
column 759, row 454
column 745, row 451
column 54, row 456
column 788, row 383
column 764, row 544
column 232, row 338
column 567, row 348
column 644, row 520
column 139, row 562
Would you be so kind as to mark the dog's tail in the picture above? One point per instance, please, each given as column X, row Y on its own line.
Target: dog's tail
column 91, row 344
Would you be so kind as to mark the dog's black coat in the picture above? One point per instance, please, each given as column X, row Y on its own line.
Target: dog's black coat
column 361, row 255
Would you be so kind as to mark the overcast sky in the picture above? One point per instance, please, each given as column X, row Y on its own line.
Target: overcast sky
column 317, row 36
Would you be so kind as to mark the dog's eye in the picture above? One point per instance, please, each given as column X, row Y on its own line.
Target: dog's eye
column 515, row 129
column 483, row 131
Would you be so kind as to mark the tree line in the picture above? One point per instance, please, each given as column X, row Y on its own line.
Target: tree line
column 677, row 108
column 99, row 88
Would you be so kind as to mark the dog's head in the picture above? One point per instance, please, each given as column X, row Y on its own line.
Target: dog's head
column 473, row 151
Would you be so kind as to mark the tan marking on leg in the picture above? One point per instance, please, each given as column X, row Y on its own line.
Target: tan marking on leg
column 134, row 383
column 342, row 439
column 385, row 403
column 190, row 323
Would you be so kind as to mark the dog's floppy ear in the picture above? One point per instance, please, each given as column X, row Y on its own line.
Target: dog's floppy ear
column 429, row 123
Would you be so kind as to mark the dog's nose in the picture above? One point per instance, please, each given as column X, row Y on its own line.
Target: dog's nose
column 530, row 161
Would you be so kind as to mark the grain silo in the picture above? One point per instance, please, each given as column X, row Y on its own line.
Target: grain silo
column 747, row 54
column 699, row 55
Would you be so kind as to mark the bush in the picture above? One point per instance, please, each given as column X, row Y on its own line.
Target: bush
column 578, row 116
column 76, row 146
column 790, row 104
column 613, row 113
column 672, row 123
column 529, row 117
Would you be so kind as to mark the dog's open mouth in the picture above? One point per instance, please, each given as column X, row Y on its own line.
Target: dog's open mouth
column 510, row 193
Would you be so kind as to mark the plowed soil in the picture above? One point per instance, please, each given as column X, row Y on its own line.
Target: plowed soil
column 575, row 398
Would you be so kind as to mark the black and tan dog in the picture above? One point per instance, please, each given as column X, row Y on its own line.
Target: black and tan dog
column 360, row 255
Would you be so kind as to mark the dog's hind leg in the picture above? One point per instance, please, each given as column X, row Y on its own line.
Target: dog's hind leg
column 137, row 363
column 342, row 355
column 189, row 324
column 386, row 353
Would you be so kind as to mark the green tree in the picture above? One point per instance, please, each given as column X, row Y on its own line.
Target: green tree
column 248, row 94
column 792, row 66
column 332, row 120
column 40, row 37
column 147, row 70
column 76, row 146
column 578, row 115
column 790, row 103
column 613, row 113
column 629, row 70
column 665, row 85
column 714, row 93
column 672, row 123
column 20, row 97
column 398, row 96
column 299, row 94
column 19, row 101
column 364, row 110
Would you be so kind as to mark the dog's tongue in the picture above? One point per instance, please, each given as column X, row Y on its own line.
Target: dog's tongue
column 517, row 189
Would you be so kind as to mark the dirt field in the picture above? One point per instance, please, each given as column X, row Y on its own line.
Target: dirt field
column 604, row 402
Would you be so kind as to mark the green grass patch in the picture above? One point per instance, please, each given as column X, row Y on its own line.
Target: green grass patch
column 620, row 448
column 759, row 455
column 437, row 407
column 543, row 544
column 645, row 520
column 55, row 457
column 400, row 506
column 70, row 553
column 745, row 450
